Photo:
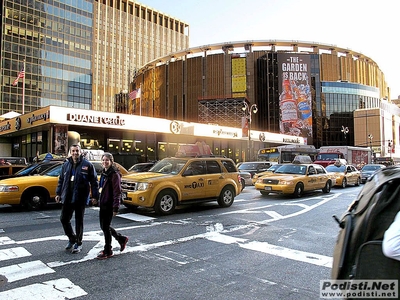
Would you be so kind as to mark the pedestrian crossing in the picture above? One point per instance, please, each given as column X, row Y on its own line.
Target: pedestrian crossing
column 13, row 268
column 61, row 288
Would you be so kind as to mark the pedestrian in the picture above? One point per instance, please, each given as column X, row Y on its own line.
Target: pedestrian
column 109, row 201
column 391, row 239
column 77, row 180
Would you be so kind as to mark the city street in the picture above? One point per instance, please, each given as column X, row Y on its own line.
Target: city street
column 262, row 247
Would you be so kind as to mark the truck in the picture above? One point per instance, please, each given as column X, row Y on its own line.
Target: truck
column 356, row 156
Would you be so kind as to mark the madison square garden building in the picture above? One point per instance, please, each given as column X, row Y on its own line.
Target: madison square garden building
column 303, row 89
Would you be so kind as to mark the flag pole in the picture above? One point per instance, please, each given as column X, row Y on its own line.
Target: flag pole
column 23, row 91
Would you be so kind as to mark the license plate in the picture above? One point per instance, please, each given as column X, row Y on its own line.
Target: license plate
column 124, row 196
column 267, row 188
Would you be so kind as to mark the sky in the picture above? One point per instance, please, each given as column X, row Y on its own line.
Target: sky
column 365, row 26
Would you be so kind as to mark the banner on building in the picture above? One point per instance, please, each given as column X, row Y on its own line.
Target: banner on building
column 295, row 100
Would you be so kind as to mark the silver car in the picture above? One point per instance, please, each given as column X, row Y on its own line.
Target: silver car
column 368, row 170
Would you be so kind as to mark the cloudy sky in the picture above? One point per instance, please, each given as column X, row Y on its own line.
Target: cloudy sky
column 365, row 26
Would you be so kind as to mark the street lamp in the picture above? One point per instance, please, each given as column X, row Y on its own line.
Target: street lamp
column 370, row 144
column 345, row 131
column 248, row 111
column 390, row 146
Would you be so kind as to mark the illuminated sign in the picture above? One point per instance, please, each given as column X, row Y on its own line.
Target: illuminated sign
column 82, row 118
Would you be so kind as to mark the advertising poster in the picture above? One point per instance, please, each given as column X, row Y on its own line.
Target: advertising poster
column 295, row 100
column 60, row 139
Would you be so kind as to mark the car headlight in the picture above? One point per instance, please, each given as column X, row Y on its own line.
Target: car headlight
column 285, row 182
column 9, row 188
column 142, row 186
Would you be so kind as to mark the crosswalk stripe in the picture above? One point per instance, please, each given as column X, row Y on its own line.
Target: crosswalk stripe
column 58, row 289
column 11, row 253
column 135, row 217
column 264, row 247
column 25, row 270
column 6, row 241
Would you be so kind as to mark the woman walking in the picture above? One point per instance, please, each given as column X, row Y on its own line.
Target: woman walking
column 109, row 200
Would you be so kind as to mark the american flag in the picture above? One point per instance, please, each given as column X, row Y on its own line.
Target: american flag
column 134, row 94
column 21, row 74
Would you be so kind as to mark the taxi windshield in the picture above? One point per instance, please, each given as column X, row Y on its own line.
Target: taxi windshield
column 168, row 166
column 291, row 169
column 334, row 168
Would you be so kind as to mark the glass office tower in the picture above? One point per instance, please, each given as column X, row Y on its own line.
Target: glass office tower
column 53, row 39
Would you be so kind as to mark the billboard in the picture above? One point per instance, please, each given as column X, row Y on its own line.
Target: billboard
column 295, row 94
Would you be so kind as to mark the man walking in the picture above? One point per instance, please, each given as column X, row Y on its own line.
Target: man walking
column 77, row 179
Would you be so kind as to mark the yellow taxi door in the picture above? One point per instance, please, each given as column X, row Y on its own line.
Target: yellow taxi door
column 193, row 184
column 214, row 180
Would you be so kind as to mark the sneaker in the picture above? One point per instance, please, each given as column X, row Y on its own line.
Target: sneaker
column 69, row 246
column 123, row 244
column 104, row 255
column 77, row 248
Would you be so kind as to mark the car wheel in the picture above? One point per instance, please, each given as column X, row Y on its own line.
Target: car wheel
column 226, row 197
column 298, row 190
column 344, row 183
column 165, row 203
column 358, row 181
column 243, row 183
column 327, row 187
column 34, row 200
column 264, row 193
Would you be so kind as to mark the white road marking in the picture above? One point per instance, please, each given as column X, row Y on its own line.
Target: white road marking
column 273, row 214
column 307, row 257
column 11, row 253
column 25, row 270
column 135, row 217
column 6, row 241
column 59, row 289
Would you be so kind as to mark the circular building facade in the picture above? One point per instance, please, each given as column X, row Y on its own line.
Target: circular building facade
column 302, row 89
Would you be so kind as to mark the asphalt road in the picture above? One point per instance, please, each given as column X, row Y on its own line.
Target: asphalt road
column 262, row 247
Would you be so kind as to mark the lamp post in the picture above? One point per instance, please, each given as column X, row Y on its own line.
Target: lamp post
column 248, row 111
column 390, row 145
column 370, row 145
column 345, row 131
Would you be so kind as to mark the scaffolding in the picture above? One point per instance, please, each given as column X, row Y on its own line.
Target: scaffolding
column 224, row 112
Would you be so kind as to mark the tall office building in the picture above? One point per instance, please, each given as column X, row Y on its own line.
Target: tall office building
column 79, row 53
column 128, row 35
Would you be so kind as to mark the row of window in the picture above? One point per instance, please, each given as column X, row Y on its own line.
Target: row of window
column 146, row 14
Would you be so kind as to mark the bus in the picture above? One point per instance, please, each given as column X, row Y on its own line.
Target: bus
column 286, row 153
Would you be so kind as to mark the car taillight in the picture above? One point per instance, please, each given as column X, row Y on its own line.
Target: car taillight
column 239, row 178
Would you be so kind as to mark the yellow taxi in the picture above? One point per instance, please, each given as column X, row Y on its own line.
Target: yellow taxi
column 295, row 179
column 270, row 170
column 344, row 174
column 34, row 192
column 182, row 180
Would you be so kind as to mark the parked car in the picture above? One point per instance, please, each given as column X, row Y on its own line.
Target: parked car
column 345, row 174
column 182, row 180
column 254, row 167
column 34, row 192
column 141, row 167
column 270, row 170
column 295, row 179
column 8, row 170
column 33, row 169
column 368, row 170
column 245, row 178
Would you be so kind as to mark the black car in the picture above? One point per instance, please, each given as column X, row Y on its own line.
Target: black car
column 254, row 167
column 33, row 169
column 369, row 169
